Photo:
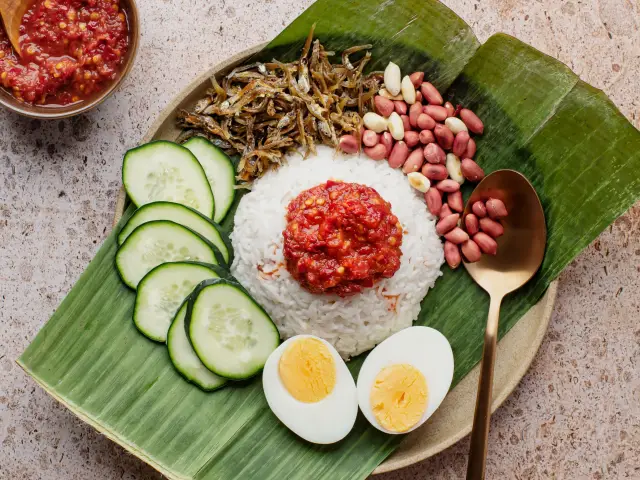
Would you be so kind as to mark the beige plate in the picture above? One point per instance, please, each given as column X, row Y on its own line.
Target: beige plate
column 453, row 419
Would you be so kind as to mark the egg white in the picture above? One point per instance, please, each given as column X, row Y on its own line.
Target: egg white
column 323, row 422
column 424, row 348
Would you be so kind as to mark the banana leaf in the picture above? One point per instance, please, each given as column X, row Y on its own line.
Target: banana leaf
column 578, row 150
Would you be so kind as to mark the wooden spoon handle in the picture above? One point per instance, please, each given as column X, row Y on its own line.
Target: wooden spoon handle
column 482, row 417
column 12, row 12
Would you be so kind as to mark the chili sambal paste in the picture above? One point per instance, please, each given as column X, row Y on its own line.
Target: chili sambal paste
column 340, row 238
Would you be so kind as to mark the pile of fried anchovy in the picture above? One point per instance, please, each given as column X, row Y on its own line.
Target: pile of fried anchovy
column 263, row 110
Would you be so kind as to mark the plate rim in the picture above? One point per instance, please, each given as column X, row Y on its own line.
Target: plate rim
column 501, row 392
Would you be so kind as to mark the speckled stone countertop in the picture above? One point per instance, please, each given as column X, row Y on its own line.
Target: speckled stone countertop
column 575, row 415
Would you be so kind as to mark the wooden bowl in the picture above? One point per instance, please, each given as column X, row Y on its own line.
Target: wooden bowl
column 452, row 421
column 45, row 112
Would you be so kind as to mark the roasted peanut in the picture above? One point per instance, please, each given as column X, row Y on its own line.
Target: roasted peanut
column 452, row 254
column 425, row 122
column 491, row 227
column 426, row 137
column 444, row 136
column 384, row 106
column 387, row 140
column 431, row 94
column 434, row 154
column 375, row 122
column 471, row 170
column 471, row 224
column 398, row 154
column 414, row 111
column 414, row 161
column 455, row 125
column 447, row 185
column 418, row 181
column 433, row 197
column 471, row 149
column 460, row 144
column 450, row 109
column 437, row 112
column 395, row 126
column 455, row 201
column 400, row 107
column 472, row 121
column 454, row 168
column 405, row 122
column 348, row 144
column 408, row 90
column 435, row 172
column 378, row 152
column 487, row 244
column 496, row 208
column 471, row 251
column 370, row 138
column 479, row 209
column 383, row 92
column 445, row 210
column 448, row 223
column 411, row 138
column 392, row 78
column 416, row 79
column 418, row 96
column 457, row 236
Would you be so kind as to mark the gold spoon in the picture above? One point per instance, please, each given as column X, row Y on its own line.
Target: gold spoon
column 520, row 253
column 12, row 12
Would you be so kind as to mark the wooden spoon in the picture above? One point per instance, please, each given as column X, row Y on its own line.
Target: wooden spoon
column 12, row 12
column 520, row 253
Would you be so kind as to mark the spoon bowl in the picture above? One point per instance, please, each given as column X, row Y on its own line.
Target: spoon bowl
column 521, row 248
column 519, row 256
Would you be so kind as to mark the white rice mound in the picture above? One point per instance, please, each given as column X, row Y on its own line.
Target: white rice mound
column 357, row 323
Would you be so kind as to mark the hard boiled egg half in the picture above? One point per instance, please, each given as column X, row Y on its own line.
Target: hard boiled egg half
column 404, row 379
column 310, row 389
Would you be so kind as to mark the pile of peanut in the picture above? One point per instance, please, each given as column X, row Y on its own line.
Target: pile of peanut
column 477, row 233
column 431, row 142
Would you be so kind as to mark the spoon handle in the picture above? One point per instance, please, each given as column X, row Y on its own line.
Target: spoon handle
column 12, row 12
column 482, row 417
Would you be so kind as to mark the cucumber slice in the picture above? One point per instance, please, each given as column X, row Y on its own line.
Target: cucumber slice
column 157, row 242
column 231, row 334
column 162, row 291
column 220, row 173
column 185, row 359
column 167, row 171
column 185, row 216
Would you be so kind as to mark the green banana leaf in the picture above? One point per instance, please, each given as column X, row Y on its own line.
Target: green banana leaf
column 580, row 153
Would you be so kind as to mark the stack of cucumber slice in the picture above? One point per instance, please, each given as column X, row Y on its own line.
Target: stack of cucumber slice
column 196, row 174
column 176, row 257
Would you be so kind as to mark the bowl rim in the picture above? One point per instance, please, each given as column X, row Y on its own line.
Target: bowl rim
column 47, row 113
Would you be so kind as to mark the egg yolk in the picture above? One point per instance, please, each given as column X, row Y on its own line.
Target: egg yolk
column 399, row 397
column 307, row 370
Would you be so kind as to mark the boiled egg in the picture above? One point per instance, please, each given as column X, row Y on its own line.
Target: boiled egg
column 404, row 379
column 310, row 389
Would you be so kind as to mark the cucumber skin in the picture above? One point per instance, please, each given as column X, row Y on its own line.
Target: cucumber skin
column 213, row 248
column 187, row 320
column 223, row 234
column 200, row 139
column 217, row 269
column 189, row 380
column 153, row 142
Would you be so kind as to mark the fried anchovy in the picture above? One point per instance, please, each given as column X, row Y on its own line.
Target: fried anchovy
column 261, row 111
